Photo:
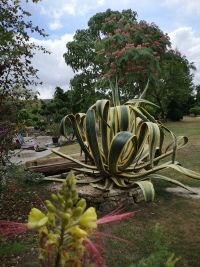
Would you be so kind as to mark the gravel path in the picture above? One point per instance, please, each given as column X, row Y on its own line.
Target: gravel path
column 22, row 156
column 184, row 193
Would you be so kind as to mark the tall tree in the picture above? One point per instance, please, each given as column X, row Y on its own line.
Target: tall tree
column 198, row 94
column 16, row 49
column 117, row 46
column 174, row 87
column 16, row 70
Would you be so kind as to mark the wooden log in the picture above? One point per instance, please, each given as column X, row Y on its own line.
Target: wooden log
column 52, row 166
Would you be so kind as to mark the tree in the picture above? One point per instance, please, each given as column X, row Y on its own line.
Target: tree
column 16, row 50
column 83, row 92
column 23, row 115
column 117, row 46
column 55, row 109
column 198, row 94
column 174, row 87
column 16, row 70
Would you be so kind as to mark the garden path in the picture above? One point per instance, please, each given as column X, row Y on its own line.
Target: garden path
column 21, row 157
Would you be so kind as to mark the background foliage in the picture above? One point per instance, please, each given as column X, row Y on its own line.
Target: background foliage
column 118, row 46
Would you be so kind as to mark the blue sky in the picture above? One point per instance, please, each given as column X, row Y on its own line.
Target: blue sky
column 61, row 18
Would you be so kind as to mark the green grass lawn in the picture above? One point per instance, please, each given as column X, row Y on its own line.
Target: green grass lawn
column 179, row 217
column 67, row 149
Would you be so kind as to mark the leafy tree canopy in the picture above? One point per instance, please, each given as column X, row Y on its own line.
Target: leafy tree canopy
column 198, row 94
column 16, row 49
column 174, row 89
column 118, row 46
column 58, row 107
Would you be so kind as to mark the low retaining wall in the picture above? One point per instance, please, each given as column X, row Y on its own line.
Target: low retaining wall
column 109, row 200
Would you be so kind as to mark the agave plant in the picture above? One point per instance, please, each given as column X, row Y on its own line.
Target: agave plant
column 125, row 144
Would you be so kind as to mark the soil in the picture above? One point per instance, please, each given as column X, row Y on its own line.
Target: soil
column 17, row 199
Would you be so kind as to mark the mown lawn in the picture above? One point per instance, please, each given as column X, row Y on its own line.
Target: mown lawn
column 179, row 217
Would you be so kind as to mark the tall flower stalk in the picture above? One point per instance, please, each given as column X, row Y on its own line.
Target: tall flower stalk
column 65, row 229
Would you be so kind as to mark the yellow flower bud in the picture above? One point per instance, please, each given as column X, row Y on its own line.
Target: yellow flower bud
column 69, row 204
column 60, row 198
column 77, row 211
column 64, row 257
column 54, row 197
column 50, row 206
column 70, row 180
column 66, row 218
column 51, row 218
column 88, row 219
column 75, row 196
column 81, row 203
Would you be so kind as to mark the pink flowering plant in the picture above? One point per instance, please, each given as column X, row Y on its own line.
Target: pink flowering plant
column 131, row 49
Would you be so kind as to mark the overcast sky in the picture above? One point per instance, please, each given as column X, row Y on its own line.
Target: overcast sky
column 61, row 18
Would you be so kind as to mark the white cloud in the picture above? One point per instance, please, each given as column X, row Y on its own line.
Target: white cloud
column 53, row 70
column 69, row 8
column 188, row 43
column 186, row 6
column 55, row 25
column 101, row 2
column 58, row 9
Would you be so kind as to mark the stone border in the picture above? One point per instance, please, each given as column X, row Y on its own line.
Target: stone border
column 109, row 200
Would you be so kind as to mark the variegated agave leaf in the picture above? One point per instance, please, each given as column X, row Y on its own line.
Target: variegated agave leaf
column 125, row 145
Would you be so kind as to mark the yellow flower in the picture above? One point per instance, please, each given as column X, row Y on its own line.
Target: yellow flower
column 89, row 219
column 77, row 232
column 36, row 219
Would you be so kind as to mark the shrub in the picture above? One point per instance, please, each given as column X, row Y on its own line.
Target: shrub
column 23, row 115
column 7, row 131
column 153, row 111
column 35, row 118
column 54, row 128
column 20, row 175
column 195, row 110
column 174, row 111
column 175, row 114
